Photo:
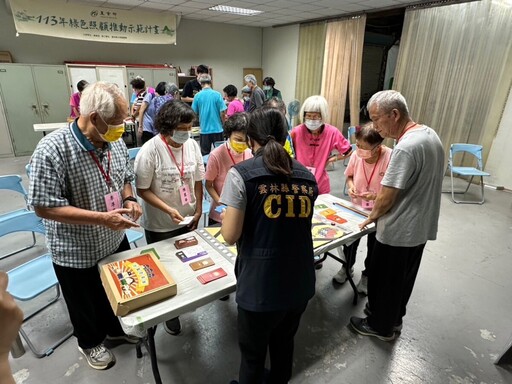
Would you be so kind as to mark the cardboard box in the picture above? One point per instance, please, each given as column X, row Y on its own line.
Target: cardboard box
column 136, row 282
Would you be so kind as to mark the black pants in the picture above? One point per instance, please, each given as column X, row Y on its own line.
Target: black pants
column 350, row 252
column 88, row 306
column 153, row 237
column 392, row 275
column 206, row 141
column 259, row 330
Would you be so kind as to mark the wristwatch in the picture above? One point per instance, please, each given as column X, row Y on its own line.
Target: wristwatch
column 129, row 198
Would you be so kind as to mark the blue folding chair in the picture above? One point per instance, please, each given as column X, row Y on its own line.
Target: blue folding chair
column 33, row 278
column 476, row 151
column 132, row 152
column 13, row 183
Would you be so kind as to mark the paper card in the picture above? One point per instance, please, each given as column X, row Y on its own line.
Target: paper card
column 151, row 251
column 337, row 219
column 186, row 220
column 321, row 206
column 212, row 275
column 186, row 242
column 328, row 212
column 200, row 264
column 191, row 253
column 220, row 208
column 113, row 201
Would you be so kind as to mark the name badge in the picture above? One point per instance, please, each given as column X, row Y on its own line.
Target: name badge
column 367, row 204
column 113, row 201
column 185, row 196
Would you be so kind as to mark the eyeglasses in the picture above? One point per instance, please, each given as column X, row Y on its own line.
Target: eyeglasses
column 312, row 116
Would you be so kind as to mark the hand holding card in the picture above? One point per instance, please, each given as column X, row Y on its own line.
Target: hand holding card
column 186, row 220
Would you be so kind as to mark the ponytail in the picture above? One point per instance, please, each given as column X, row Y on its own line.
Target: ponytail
column 268, row 127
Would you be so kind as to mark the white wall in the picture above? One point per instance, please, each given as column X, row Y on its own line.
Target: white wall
column 5, row 145
column 224, row 47
column 500, row 157
column 279, row 57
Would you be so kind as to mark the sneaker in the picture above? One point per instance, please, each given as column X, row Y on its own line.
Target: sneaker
column 362, row 286
column 123, row 339
column 173, row 326
column 362, row 327
column 341, row 276
column 98, row 357
column 225, row 298
column 319, row 266
column 397, row 328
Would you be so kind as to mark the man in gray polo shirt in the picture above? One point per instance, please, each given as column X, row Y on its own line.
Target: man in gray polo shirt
column 80, row 184
column 406, row 213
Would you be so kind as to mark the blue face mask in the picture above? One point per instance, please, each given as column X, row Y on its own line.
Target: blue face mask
column 179, row 137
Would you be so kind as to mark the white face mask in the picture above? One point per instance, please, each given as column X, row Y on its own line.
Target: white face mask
column 267, row 87
column 313, row 125
column 179, row 137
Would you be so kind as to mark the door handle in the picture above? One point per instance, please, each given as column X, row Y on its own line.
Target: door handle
column 34, row 109
column 46, row 108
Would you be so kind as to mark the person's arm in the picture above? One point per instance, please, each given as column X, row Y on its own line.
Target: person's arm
column 351, row 188
column 188, row 93
column 223, row 117
column 383, row 203
column 232, row 224
column 73, row 215
column 11, row 318
column 212, row 192
column 151, row 198
column 259, row 99
column 142, row 110
column 133, row 206
column 198, row 193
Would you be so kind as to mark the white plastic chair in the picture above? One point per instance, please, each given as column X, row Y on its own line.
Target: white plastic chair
column 476, row 151
column 33, row 278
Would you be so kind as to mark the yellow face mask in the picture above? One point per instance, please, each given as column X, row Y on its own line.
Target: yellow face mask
column 114, row 132
column 238, row 146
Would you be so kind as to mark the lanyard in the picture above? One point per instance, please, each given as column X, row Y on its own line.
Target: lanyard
column 368, row 181
column 106, row 175
column 231, row 156
column 405, row 131
column 174, row 159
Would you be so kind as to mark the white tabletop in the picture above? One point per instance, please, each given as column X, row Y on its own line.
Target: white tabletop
column 191, row 293
column 49, row 126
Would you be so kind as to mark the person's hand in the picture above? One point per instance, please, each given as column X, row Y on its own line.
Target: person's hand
column 368, row 195
column 115, row 220
column 332, row 159
column 175, row 215
column 365, row 223
column 135, row 209
column 11, row 318
column 352, row 192
column 195, row 221
column 140, row 129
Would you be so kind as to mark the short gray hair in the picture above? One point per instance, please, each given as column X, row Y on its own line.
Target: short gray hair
column 315, row 104
column 100, row 97
column 250, row 78
column 171, row 88
column 205, row 78
column 388, row 100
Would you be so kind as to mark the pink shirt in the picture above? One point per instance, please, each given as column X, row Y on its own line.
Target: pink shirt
column 368, row 177
column 219, row 163
column 313, row 151
column 234, row 107
column 74, row 101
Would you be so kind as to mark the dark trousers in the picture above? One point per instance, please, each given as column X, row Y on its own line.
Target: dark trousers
column 153, row 237
column 258, row 331
column 393, row 271
column 206, row 141
column 88, row 306
column 350, row 252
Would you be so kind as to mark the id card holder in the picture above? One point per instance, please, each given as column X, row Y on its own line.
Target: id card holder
column 311, row 169
column 113, row 201
column 367, row 204
column 185, row 196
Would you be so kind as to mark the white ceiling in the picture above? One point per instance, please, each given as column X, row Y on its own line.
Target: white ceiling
column 275, row 12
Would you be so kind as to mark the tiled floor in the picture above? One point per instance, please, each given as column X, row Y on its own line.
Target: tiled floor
column 459, row 318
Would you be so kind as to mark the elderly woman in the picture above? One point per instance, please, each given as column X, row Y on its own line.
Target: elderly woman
column 314, row 139
column 150, row 107
column 169, row 170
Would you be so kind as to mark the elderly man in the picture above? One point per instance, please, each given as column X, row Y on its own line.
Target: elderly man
column 257, row 94
column 211, row 108
column 406, row 213
column 80, row 184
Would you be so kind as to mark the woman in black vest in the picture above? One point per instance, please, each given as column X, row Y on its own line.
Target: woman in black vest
column 270, row 201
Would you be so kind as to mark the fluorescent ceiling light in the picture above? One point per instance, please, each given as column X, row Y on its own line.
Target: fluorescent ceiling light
column 235, row 10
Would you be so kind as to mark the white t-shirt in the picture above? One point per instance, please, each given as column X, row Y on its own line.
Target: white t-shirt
column 156, row 170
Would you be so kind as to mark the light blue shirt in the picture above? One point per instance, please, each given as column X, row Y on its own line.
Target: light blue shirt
column 208, row 104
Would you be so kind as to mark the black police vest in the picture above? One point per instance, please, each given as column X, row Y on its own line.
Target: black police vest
column 275, row 268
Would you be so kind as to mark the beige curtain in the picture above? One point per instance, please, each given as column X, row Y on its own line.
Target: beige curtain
column 455, row 68
column 342, row 68
column 310, row 59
